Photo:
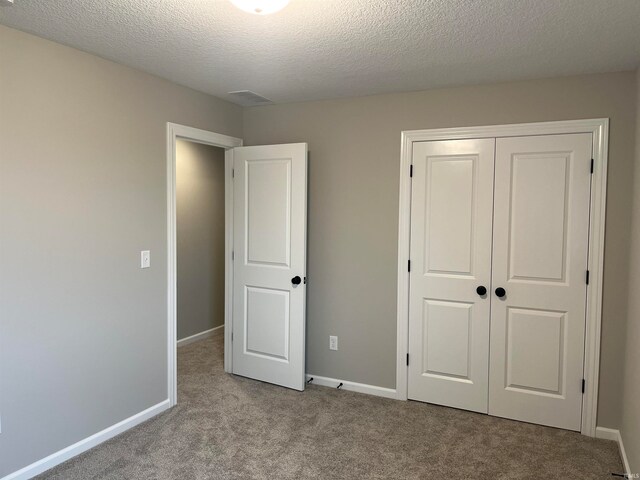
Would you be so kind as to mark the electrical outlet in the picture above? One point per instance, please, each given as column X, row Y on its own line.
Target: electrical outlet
column 333, row 342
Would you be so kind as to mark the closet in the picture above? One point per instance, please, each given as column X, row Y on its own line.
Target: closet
column 499, row 244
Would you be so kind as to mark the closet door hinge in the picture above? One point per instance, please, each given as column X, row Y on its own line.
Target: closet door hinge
column 407, row 359
column 411, row 170
column 592, row 165
column 233, row 173
column 233, row 255
column 587, row 277
column 409, row 265
column 584, row 384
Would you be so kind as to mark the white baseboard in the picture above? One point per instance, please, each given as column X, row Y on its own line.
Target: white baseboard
column 613, row 434
column 353, row 386
column 201, row 336
column 83, row 445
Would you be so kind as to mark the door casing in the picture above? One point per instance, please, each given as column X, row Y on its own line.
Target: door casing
column 174, row 132
column 599, row 129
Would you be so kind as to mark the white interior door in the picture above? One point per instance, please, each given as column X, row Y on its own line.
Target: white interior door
column 451, row 210
column 540, row 243
column 269, row 269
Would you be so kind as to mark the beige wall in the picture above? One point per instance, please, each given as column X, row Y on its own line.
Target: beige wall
column 82, row 191
column 630, row 425
column 200, row 237
column 353, row 206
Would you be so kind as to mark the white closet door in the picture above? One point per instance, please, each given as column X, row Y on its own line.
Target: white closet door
column 451, row 209
column 270, row 225
column 540, row 242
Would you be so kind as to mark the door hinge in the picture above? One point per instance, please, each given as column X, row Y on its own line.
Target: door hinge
column 592, row 164
column 409, row 265
column 233, row 255
column 233, row 173
column 411, row 170
column 232, row 336
column 584, row 384
column 587, row 277
column 407, row 359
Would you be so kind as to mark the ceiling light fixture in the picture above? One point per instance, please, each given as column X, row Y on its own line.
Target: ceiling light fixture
column 260, row 7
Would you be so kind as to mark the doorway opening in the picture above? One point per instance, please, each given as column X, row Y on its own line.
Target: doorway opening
column 200, row 187
column 265, row 198
column 200, row 257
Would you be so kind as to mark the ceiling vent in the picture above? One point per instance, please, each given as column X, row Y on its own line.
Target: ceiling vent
column 247, row 98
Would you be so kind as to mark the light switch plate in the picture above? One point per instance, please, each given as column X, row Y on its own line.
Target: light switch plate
column 145, row 259
column 333, row 342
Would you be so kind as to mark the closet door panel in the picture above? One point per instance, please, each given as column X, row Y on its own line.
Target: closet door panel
column 452, row 196
column 540, row 247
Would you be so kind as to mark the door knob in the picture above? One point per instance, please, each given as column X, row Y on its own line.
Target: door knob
column 501, row 292
column 481, row 290
column 296, row 280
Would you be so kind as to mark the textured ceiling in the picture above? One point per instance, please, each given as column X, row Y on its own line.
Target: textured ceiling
column 316, row 49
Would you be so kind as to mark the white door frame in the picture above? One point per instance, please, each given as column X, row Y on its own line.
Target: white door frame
column 599, row 128
column 174, row 132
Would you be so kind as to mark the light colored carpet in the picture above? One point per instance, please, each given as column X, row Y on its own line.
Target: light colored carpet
column 234, row 428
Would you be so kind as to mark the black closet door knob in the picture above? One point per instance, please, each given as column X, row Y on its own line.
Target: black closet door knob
column 481, row 290
column 501, row 292
column 296, row 280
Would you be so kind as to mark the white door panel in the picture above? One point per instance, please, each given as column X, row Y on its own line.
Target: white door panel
column 540, row 247
column 270, row 197
column 451, row 211
column 267, row 333
column 268, row 212
column 446, row 329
